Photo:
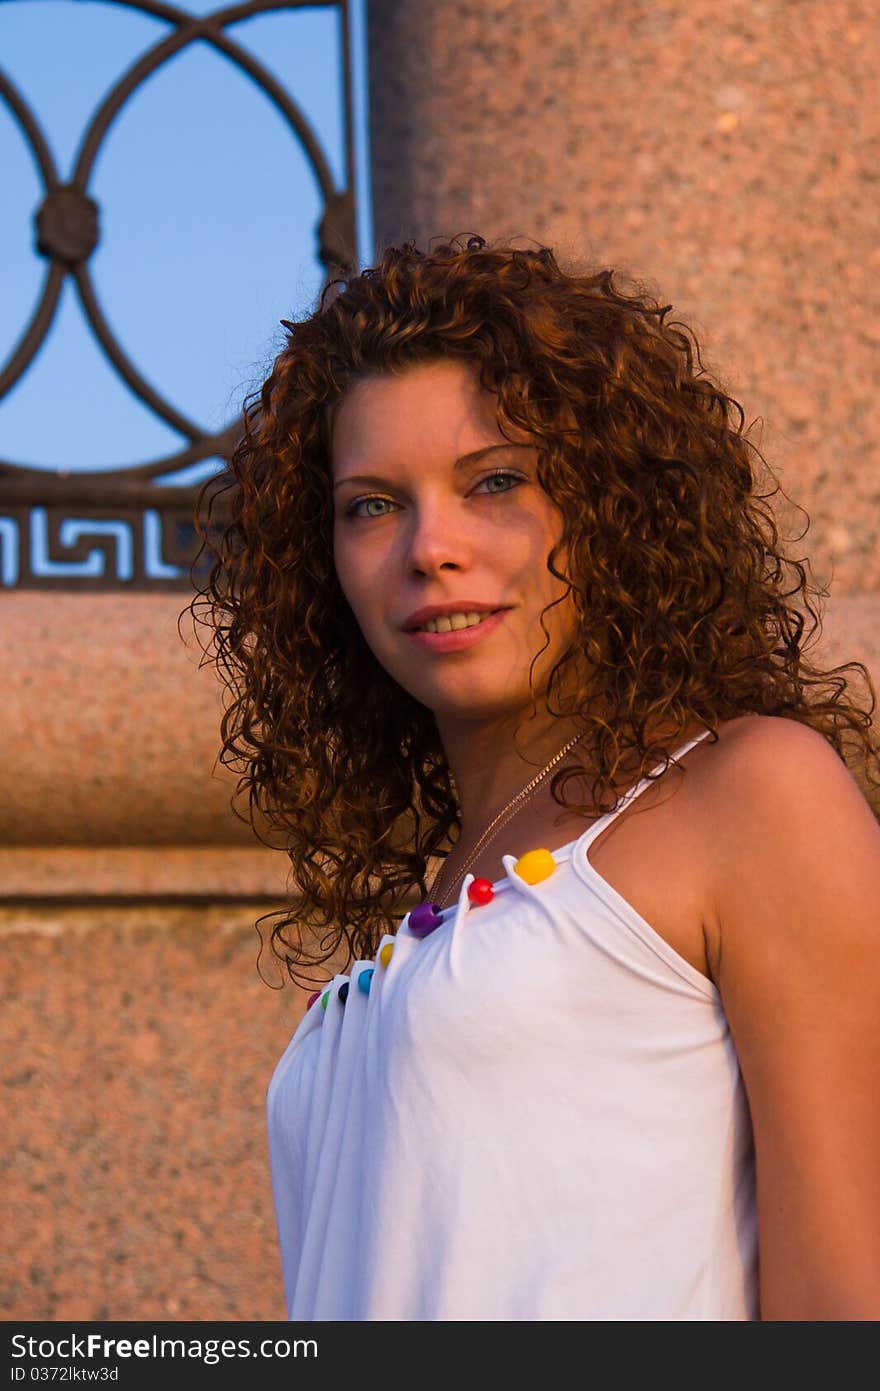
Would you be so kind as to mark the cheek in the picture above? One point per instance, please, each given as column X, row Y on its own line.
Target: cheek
column 359, row 584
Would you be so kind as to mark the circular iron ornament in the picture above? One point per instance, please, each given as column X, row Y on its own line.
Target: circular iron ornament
column 68, row 230
column 67, row 226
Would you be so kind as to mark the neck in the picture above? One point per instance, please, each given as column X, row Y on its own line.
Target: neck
column 490, row 769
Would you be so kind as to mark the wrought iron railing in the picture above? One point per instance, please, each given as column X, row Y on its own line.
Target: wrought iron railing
column 117, row 528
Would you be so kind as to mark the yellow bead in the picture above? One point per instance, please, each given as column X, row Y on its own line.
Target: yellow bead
column 535, row 865
column 385, row 953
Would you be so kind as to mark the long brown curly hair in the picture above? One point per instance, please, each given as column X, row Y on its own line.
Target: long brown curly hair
column 674, row 562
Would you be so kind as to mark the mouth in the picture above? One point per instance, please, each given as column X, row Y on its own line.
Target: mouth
column 458, row 639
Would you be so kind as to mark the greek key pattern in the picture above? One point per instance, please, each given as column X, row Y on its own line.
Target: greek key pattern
column 147, row 548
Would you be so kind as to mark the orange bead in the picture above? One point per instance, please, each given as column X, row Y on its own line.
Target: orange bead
column 535, row 865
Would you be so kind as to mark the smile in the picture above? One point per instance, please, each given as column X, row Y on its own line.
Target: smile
column 447, row 622
column 457, row 639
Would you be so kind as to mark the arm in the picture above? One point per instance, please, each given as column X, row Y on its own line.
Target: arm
column 797, row 913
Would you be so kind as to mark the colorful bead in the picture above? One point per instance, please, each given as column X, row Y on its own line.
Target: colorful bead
column 324, row 998
column 312, row 998
column 481, row 891
column 424, row 919
column 342, row 992
column 385, row 953
column 365, row 980
column 535, row 865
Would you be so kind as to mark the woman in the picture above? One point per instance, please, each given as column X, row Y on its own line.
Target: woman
column 516, row 685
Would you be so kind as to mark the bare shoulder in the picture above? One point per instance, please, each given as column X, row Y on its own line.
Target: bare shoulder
column 777, row 811
column 795, row 869
column 779, row 803
column 756, row 742
column 750, row 739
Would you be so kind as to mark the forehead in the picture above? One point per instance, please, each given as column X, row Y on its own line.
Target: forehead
column 438, row 406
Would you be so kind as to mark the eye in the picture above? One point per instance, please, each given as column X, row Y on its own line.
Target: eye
column 506, row 475
column 351, row 511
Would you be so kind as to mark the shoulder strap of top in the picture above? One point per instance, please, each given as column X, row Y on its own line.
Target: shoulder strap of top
column 640, row 786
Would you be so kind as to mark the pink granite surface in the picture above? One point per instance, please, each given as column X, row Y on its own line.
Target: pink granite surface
column 135, row 1051
column 116, row 729
column 185, row 871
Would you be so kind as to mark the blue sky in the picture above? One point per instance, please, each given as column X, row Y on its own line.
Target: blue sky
column 208, row 210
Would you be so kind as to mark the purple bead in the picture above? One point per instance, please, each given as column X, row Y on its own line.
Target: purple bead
column 424, row 919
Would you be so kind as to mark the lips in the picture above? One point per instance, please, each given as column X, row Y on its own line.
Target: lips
column 458, row 639
column 421, row 616
column 481, row 617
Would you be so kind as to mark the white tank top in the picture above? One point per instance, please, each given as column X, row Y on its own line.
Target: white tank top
column 534, row 1112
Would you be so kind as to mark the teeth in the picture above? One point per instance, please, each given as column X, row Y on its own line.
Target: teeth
column 450, row 622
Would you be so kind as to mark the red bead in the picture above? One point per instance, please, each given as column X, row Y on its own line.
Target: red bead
column 481, row 891
column 312, row 998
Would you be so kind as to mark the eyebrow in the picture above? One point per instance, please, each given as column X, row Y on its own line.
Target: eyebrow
column 464, row 461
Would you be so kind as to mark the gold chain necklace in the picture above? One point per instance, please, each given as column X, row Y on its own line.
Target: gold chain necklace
column 500, row 820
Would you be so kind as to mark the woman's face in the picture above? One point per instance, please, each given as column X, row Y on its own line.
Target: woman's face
column 419, row 523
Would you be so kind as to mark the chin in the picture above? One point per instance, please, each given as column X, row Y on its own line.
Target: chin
column 473, row 705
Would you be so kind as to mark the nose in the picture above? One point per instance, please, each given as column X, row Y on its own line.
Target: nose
column 437, row 538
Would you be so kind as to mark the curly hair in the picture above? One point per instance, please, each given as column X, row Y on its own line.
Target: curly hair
column 675, row 566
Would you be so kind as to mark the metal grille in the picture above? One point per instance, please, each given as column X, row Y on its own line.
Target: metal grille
column 118, row 529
